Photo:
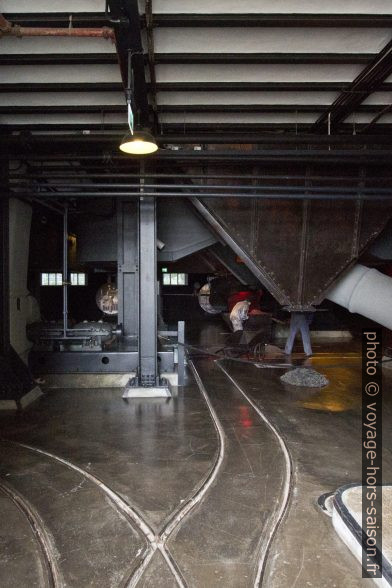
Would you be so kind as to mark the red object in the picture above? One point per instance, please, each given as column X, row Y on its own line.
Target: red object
column 254, row 298
column 245, row 419
column 103, row 32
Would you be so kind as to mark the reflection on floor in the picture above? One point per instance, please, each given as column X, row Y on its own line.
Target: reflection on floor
column 99, row 492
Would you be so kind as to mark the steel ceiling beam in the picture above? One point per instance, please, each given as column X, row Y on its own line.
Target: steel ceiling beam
column 58, row 58
column 386, row 110
column 259, row 86
column 149, row 18
column 62, row 87
column 186, row 86
column 189, row 58
column 85, row 19
column 263, row 58
column 277, row 127
column 273, row 20
column 125, row 19
column 257, row 108
column 39, row 19
column 368, row 81
column 62, row 108
column 202, row 129
column 184, row 108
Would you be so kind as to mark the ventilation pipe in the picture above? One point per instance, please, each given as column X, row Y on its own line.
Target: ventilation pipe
column 13, row 30
column 365, row 291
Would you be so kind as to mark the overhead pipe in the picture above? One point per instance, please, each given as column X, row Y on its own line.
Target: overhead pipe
column 7, row 29
column 87, row 175
column 199, row 194
column 356, row 191
column 248, row 138
column 365, row 291
column 374, row 156
column 367, row 82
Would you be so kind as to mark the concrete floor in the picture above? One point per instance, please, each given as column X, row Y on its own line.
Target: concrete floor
column 197, row 490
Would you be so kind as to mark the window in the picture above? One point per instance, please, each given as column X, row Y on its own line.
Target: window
column 78, row 279
column 56, row 279
column 51, row 279
column 175, row 279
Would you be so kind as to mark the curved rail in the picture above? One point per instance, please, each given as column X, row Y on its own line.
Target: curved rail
column 155, row 541
column 48, row 553
column 158, row 541
column 120, row 504
column 287, row 486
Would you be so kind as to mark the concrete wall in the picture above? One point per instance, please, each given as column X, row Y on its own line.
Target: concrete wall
column 21, row 303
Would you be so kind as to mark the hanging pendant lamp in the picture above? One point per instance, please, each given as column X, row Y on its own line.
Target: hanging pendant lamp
column 136, row 141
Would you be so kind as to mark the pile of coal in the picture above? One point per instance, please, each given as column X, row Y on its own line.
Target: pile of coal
column 305, row 377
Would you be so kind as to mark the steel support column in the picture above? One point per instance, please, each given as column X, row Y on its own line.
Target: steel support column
column 126, row 23
column 148, row 369
column 127, row 267
column 65, row 271
column 148, row 382
column 181, row 353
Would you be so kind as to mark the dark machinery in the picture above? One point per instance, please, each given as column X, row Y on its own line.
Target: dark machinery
column 130, row 344
column 216, row 297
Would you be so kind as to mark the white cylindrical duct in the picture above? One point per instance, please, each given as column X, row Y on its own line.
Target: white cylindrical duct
column 365, row 291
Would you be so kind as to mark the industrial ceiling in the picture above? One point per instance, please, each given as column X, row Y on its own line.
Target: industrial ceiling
column 201, row 67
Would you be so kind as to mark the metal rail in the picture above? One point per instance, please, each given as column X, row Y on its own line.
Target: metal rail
column 48, row 551
column 287, row 488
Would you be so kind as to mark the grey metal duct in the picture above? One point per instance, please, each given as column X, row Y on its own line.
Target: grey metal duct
column 365, row 291
column 180, row 229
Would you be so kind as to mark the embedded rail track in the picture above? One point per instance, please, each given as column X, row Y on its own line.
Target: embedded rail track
column 158, row 541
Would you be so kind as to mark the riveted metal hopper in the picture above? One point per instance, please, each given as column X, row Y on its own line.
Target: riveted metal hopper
column 296, row 248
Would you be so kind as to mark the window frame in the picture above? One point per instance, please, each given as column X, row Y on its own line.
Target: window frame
column 167, row 279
